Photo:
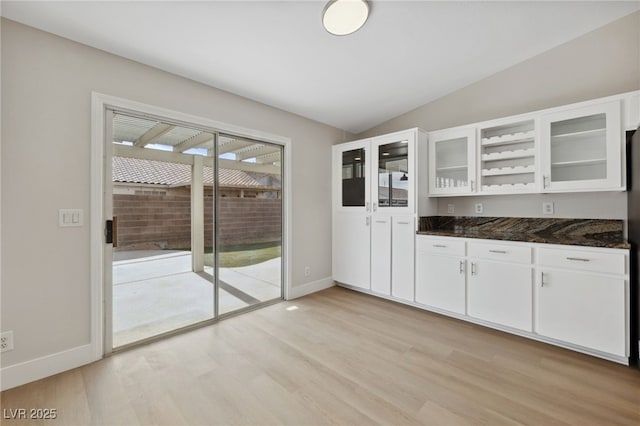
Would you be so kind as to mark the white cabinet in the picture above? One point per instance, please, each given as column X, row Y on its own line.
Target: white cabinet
column 582, row 148
column 440, row 273
column 351, row 249
column 578, row 147
column 374, row 191
column 403, row 257
column 508, row 157
column 381, row 255
column 499, row 289
column 576, row 304
column 452, row 161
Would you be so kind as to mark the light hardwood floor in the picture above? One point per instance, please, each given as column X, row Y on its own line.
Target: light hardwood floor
column 339, row 357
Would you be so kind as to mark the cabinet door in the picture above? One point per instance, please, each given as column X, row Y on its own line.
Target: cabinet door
column 351, row 249
column 381, row 254
column 393, row 173
column 452, row 168
column 403, row 257
column 583, row 148
column 440, row 282
column 583, row 309
column 501, row 293
column 351, row 177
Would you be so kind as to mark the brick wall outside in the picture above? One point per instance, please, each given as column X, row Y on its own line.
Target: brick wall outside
column 148, row 222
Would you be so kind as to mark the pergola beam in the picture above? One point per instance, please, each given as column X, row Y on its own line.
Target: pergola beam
column 193, row 142
column 153, row 134
column 233, row 145
column 251, row 153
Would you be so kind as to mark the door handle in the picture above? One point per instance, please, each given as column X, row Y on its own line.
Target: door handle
column 462, row 266
column 368, row 220
column 111, row 231
column 375, row 207
column 368, row 206
column 473, row 269
column 542, row 283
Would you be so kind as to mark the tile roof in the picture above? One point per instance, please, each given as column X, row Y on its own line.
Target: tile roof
column 134, row 170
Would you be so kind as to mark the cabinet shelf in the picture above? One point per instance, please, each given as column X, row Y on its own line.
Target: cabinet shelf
column 508, row 155
column 451, row 168
column 509, row 187
column 578, row 135
column 509, row 139
column 508, row 171
column 590, row 162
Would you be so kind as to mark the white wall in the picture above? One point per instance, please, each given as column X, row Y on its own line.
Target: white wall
column 601, row 63
column 47, row 83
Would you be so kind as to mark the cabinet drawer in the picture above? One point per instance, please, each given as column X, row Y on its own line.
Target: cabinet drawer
column 508, row 253
column 451, row 246
column 608, row 263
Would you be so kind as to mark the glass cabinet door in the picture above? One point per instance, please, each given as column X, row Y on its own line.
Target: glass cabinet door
column 452, row 162
column 351, row 170
column 395, row 175
column 583, row 148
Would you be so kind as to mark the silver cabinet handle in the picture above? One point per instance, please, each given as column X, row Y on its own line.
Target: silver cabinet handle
column 542, row 283
column 498, row 251
column 462, row 266
column 472, row 185
column 368, row 206
column 473, row 269
column 368, row 220
column 381, row 221
column 440, row 245
column 545, row 181
column 375, row 207
column 404, row 223
column 579, row 259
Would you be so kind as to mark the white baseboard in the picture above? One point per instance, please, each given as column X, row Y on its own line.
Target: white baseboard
column 308, row 288
column 39, row 368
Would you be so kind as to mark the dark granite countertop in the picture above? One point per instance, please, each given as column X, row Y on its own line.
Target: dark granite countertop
column 578, row 232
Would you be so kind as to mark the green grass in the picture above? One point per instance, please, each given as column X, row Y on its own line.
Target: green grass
column 244, row 255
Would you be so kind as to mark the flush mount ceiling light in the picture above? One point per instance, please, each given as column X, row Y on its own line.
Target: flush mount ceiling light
column 342, row 17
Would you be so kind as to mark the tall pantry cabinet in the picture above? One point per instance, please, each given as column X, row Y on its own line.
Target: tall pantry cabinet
column 375, row 213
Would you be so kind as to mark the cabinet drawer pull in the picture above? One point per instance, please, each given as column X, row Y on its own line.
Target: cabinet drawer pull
column 579, row 259
column 381, row 221
column 404, row 223
column 473, row 269
column 498, row 251
column 462, row 266
column 440, row 245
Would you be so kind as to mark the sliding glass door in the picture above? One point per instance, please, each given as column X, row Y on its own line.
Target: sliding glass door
column 196, row 226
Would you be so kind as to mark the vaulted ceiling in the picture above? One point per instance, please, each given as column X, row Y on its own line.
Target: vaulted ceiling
column 276, row 52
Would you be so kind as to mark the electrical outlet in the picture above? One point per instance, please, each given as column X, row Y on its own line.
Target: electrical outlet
column 307, row 271
column 451, row 208
column 479, row 208
column 6, row 341
column 547, row 208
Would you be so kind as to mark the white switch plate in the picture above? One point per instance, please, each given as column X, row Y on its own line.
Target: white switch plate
column 70, row 217
column 479, row 208
column 451, row 208
column 547, row 208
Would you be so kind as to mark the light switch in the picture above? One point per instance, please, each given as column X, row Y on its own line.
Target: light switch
column 70, row 217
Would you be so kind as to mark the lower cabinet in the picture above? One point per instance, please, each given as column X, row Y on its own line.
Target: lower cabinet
column 582, row 307
column 571, row 296
column 403, row 236
column 441, row 273
column 381, row 255
column 351, row 249
column 501, row 293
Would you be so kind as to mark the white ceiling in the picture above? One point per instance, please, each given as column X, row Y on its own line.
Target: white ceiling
column 276, row 52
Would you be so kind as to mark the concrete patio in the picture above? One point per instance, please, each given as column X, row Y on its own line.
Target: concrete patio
column 156, row 291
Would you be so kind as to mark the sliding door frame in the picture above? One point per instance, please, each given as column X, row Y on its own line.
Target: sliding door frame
column 101, row 105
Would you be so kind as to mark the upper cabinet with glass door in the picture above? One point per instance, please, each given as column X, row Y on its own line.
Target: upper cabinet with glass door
column 351, row 180
column 582, row 148
column 394, row 173
column 452, row 168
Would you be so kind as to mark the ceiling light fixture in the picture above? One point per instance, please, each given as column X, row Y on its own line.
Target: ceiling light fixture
column 342, row 17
